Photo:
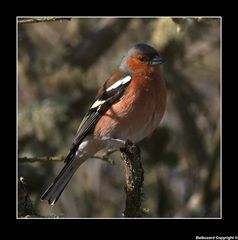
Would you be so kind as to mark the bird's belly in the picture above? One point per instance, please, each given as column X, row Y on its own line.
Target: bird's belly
column 129, row 122
column 138, row 131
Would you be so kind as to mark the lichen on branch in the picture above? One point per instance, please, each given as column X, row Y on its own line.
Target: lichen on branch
column 134, row 175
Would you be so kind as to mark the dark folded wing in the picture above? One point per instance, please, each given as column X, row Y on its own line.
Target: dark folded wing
column 102, row 103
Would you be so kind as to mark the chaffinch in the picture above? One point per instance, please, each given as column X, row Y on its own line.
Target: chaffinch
column 129, row 105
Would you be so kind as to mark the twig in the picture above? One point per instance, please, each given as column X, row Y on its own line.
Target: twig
column 104, row 157
column 25, row 206
column 45, row 19
column 134, row 174
column 38, row 159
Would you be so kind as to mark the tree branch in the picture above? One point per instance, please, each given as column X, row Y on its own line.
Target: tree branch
column 44, row 19
column 134, row 174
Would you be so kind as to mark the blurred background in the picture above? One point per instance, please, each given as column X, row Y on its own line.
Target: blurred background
column 61, row 65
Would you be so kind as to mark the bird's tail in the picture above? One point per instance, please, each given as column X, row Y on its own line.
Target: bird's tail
column 54, row 191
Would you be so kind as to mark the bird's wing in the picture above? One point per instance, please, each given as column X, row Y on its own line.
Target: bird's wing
column 110, row 93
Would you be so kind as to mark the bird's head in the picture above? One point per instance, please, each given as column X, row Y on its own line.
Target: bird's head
column 139, row 57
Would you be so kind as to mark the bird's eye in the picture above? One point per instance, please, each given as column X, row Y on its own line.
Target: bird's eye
column 142, row 58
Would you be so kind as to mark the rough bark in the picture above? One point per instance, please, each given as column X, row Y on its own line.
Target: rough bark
column 134, row 174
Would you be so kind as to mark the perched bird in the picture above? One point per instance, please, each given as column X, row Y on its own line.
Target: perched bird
column 129, row 105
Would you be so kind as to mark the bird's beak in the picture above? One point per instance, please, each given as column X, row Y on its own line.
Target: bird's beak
column 157, row 60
